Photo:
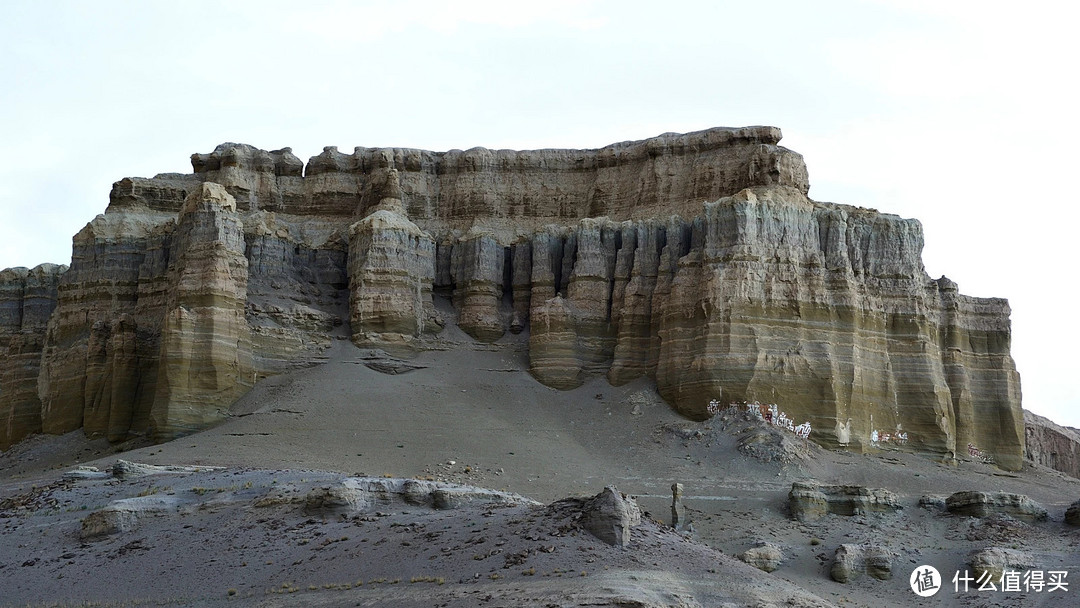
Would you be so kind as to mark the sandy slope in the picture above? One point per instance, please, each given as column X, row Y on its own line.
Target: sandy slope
column 476, row 406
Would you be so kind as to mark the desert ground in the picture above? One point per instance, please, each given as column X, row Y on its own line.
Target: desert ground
column 235, row 523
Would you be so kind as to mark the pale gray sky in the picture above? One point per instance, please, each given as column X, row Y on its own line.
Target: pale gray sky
column 961, row 114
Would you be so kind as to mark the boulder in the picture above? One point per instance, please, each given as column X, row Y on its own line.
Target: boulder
column 1072, row 514
column 610, row 515
column 765, row 556
column 996, row 560
column 851, row 561
column 809, row 501
column 984, row 504
column 124, row 470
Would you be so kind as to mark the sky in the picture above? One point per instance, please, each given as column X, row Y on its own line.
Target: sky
column 960, row 114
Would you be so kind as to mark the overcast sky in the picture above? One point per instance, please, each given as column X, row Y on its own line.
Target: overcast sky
column 961, row 114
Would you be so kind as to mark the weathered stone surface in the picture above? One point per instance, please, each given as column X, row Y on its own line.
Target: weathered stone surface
column 766, row 557
column 365, row 494
column 678, row 511
column 985, row 504
column 391, row 269
column 121, row 516
column 1072, row 514
column 118, row 276
column 809, row 501
column 696, row 260
column 205, row 362
column 125, row 470
column 852, row 561
column 996, row 560
column 610, row 515
column 932, row 503
column 552, row 344
column 476, row 271
column 27, row 298
column 1051, row 445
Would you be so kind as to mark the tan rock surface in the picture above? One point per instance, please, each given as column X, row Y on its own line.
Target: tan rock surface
column 205, row 362
column 391, row 270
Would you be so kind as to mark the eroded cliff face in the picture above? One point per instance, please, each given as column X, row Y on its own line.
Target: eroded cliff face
column 27, row 298
column 1052, row 445
column 696, row 260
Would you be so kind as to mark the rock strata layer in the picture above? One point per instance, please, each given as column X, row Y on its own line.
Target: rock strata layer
column 696, row 260
column 27, row 299
column 810, row 501
column 985, row 504
column 995, row 561
column 852, row 561
column 1051, row 445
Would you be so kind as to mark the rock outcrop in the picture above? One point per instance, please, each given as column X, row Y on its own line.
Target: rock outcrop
column 1072, row 514
column 122, row 516
column 27, row 299
column 205, row 362
column 810, row 501
column 994, row 561
column 610, row 516
column 985, row 504
column 1051, row 445
column 766, row 557
column 365, row 494
column 852, row 561
column 696, row 260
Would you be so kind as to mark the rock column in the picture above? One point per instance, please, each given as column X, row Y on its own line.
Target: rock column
column 391, row 271
column 205, row 342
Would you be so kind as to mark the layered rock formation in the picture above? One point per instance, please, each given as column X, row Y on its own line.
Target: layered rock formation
column 1051, row 445
column 986, row 504
column 696, row 260
column 205, row 362
column 27, row 299
column 810, row 501
column 851, row 561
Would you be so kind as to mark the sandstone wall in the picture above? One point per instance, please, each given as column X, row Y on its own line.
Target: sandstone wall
column 696, row 260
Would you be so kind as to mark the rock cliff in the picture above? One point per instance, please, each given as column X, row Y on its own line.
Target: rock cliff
column 1052, row 445
column 696, row 260
column 27, row 299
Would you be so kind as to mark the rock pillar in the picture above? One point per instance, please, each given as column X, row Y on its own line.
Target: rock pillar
column 205, row 341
